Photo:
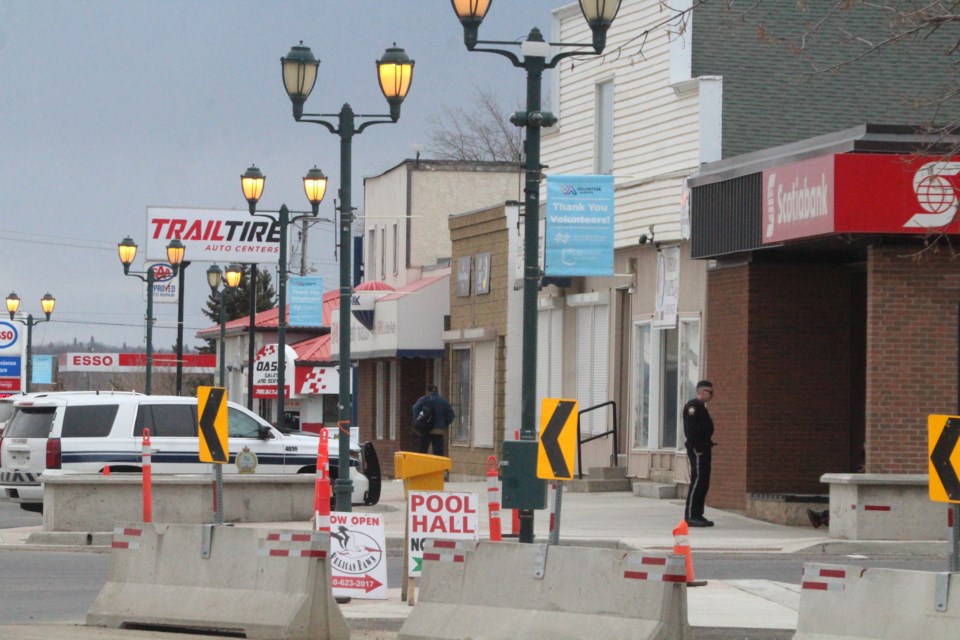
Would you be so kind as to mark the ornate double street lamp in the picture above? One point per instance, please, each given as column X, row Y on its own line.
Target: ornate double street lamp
column 47, row 303
column 599, row 14
column 315, row 186
column 395, row 71
column 127, row 249
column 231, row 281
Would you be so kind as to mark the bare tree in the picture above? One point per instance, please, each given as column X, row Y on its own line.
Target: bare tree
column 483, row 133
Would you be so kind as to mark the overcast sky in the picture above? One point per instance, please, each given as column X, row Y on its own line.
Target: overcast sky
column 110, row 106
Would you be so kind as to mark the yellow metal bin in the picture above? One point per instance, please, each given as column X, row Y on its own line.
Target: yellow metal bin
column 420, row 471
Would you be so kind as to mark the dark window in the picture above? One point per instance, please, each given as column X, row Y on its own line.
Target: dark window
column 30, row 423
column 167, row 420
column 90, row 421
column 241, row 425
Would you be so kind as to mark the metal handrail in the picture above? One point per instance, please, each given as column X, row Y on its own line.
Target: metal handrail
column 580, row 441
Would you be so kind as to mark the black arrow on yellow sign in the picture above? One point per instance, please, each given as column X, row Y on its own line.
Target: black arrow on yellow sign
column 550, row 434
column 208, row 424
column 940, row 458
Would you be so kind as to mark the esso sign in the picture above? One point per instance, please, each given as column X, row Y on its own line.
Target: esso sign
column 92, row 361
column 8, row 335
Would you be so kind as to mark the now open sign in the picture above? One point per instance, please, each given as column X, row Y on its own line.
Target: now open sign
column 445, row 515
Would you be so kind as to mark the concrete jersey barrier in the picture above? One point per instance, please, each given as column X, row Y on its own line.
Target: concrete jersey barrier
column 537, row 591
column 844, row 602
column 257, row 582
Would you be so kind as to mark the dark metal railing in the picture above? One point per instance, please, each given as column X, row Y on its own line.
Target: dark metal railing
column 613, row 431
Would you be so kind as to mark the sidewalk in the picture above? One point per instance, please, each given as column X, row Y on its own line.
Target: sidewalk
column 611, row 519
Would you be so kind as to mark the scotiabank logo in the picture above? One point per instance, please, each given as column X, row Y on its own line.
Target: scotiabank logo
column 936, row 194
column 799, row 200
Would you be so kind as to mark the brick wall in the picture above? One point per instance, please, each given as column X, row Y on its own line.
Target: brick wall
column 911, row 353
column 413, row 376
column 481, row 232
column 726, row 357
column 800, row 376
column 778, row 349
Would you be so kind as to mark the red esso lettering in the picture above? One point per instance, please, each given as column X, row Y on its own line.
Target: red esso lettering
column 93, row 361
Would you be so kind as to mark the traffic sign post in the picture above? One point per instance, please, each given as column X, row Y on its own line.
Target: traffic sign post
column 944, row 469
column 558, row 450
column 558, row 439
column 214, row 447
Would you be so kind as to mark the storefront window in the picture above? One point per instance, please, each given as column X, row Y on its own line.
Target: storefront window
column 666, row 368
column 670, row 391
column 460, row 394
column 642, row 359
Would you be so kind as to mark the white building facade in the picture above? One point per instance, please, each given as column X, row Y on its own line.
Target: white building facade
column 635, row 339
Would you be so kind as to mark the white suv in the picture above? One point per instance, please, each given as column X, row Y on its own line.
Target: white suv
column 83, row 432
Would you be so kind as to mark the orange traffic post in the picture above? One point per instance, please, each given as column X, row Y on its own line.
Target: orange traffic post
column 681, row 546
column 147, row 478
column 493, row 499
column 321, row 493
column 106, row 470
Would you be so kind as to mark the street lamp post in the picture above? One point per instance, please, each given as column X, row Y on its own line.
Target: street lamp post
column 395, row 72
column 47, row 302
column 181, row 291
column 599, row 14
column 127, row 249
column 232, row 280
column 315, row 186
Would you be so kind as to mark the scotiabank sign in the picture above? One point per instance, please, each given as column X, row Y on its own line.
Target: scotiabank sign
column 213, row 235
column 861, row 193
column 127, row 362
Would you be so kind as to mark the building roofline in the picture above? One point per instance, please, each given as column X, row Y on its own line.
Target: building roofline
column 864, row 138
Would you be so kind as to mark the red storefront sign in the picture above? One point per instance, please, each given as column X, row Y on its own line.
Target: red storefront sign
column 798, row 200
column 861, row 193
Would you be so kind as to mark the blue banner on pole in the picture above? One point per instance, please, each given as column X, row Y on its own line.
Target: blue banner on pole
column 578, row 235
column 305, row 298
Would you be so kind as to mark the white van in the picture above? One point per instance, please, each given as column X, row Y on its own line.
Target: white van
column 84, row 432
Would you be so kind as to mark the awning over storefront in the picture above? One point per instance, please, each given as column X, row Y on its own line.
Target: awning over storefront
column 406, row 323
column 868, row 180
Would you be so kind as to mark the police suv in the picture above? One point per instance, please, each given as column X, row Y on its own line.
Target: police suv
column 84, row 432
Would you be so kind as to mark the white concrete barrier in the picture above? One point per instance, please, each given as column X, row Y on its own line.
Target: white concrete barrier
column 537, row 591
column 91, row 502
column 256, row 582
column 851, row 602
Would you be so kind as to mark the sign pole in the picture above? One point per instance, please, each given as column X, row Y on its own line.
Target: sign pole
column 954, row 507
column 555, row 525
column 218, row 494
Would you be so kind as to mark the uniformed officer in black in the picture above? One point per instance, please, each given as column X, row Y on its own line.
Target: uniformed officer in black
column 698, row 429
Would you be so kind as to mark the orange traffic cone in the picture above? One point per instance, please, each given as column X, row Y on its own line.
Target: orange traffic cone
column 681, row 546
column 106, row 470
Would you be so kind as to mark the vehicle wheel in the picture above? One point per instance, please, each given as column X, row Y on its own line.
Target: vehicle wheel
column 32, row 507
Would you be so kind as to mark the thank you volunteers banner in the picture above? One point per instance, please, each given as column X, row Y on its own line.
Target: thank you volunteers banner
column 305, row 299
column 578, row 239
column 439, row 515
column 358, row 560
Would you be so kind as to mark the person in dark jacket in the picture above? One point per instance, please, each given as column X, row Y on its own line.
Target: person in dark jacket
column 442, row 419
column 698, row 429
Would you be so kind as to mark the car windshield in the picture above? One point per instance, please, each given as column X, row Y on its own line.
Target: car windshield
column 30, row 422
